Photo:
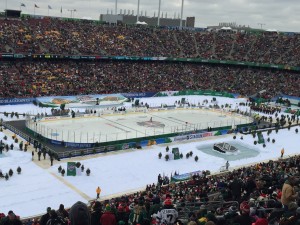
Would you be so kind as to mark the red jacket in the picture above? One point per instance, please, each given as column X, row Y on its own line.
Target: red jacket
column 108, row 218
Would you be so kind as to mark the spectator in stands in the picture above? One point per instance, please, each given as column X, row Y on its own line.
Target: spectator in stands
column 236, row 189
column 55, row 219
column 10, row 219
column 288, row 192
column 244, row 218
column 96, row 213
column 79, row 214
column 44, row 219
column 155, row 208
column 108, row 217
column 139, row 214
column 168, row 214
column 62, row 212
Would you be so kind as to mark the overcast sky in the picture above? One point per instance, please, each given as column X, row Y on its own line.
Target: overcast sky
column 282, row 15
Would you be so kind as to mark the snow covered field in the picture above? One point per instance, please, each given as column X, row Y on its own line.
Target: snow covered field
column 36, row 188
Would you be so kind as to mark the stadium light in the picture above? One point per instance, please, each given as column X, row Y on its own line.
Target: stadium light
column 158, row 18
column 261, row 25
column 72, row 12
column 182, row 3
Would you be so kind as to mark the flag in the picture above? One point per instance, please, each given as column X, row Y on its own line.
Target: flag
column 23, row 5
column 35, row 6
column 49, row 7
column 71, row 169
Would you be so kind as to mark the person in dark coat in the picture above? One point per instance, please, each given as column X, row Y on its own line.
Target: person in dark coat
column 250, row 186
column 55, row 219
column 108, row 217
column 236, row 189
column 10, row 219
column 155, row 208
column 62, row 212
column 244, row 218
column 79, row 214
column 45, row 217
column 96, row 213
column 122, row 214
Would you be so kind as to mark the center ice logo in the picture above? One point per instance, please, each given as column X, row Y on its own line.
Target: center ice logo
column 154, row 124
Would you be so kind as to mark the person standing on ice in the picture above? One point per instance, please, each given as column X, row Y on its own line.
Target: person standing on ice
column 98, row 191
column 227, row 165
column 282, row 152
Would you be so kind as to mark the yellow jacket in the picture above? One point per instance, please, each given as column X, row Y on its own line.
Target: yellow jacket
column 98, row 190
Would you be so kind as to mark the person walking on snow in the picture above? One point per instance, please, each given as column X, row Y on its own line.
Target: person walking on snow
column 227, row 165
column 98, row 191
column 282, row 152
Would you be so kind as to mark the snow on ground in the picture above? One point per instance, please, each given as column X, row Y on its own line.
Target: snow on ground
column 31, row 192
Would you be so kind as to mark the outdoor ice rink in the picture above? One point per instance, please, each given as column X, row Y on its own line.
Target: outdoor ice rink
column 118, row 126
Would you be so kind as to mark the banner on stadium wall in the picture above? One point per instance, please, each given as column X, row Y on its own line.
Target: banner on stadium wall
column 138, row 95
column 191, row 136
column 185, row 176
column 15, row 101
column 293, row 99
column 198, row 92
column 82, row 100
column 136, row 58
column 71, row 169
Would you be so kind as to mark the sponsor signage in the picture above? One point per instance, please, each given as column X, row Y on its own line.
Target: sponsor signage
column 15, row 101
column 193, row 136
column 79, row 145
column 51, row 118
column 138, row 95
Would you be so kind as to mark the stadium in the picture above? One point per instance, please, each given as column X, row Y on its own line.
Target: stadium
column 141, row 108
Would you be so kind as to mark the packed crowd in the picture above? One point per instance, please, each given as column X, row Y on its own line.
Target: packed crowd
column 57, row 36
column 56, row 78
column 262, row 194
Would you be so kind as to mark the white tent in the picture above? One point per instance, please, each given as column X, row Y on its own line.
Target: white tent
column 141, row 23
column 87, row 18
column 226, row 28
column 272, row 30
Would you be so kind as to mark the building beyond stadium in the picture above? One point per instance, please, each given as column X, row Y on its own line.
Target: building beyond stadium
column 151, row 21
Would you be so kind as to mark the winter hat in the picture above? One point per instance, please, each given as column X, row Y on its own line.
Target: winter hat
column 292, row 206
column 97, row 205
column 53, row 213
column 48, row 209
column 210, row 223
column 11, row 213
column 168, row 201
column 141, row 202
column 131, row 206
column 232, row 209
column 156, row 200
column 252, row 211
column 244, row 207
column 79, row 214
column 61, row 207
column 203, row 207
column 261, row 221
column 107, row 207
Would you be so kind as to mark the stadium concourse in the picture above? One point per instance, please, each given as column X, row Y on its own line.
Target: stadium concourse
column 54, row 57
